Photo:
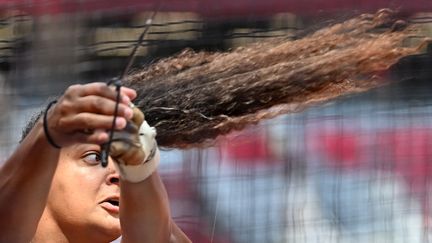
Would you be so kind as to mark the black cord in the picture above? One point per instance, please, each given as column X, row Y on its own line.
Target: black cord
column 105, row 148
column 45, row 125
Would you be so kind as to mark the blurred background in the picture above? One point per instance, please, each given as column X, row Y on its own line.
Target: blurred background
column 357, row 169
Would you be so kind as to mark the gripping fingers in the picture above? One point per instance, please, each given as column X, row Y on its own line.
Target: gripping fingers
column 130, row 93
column 102, row 89
column 85, row 113
column 103, row 106
column 83, row 121
column 99, row 136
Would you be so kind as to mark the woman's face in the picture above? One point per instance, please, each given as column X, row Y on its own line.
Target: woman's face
column 84, row 196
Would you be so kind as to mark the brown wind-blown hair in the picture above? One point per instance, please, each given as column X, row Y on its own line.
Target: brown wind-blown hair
column 194, row 97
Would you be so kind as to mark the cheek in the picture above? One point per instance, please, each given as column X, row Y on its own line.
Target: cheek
column 75, row 188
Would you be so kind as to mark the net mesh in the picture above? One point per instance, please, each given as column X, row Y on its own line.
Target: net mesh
column 353, row 170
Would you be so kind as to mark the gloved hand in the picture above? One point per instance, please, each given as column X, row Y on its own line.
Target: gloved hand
column 134, row 149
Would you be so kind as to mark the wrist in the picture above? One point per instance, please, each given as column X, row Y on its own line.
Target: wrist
column 46, row 127
column 40, row 136
column 140, row 172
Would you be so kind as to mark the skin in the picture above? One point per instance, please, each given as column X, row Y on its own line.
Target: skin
column 86, row 185
column 52, row 195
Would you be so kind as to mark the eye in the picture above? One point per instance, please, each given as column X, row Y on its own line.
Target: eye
column 92, row 158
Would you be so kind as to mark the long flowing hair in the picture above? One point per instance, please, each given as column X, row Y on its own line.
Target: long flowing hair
column 193, row 97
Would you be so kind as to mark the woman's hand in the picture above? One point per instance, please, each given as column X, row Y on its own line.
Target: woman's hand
column 85, row 112
column 126, row 147
column 134, row 149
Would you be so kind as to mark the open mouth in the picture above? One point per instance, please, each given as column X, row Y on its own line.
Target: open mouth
column 112, row 205
column 113, row 202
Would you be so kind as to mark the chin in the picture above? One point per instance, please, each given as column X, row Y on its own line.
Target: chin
column 113, row 226
column 109, row 227
column 111, row 232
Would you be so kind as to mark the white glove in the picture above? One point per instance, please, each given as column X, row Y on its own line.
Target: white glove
column 135, row 150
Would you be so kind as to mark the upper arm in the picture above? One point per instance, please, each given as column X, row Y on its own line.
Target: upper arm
column 25, row 180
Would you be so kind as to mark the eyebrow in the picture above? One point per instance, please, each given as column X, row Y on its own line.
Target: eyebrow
column 85, row 147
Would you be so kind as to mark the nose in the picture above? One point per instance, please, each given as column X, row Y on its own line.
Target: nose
column 113, row 176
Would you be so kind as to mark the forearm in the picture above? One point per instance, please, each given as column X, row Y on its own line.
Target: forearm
column 25, row 180
column 144, row 205
column 144, row 211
